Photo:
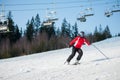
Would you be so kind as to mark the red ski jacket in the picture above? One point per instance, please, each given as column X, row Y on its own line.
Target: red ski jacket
column 78, row 41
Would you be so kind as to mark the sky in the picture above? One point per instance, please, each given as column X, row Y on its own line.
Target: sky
column 24, row 10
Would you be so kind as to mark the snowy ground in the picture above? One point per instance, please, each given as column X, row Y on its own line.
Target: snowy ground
column 50, row 65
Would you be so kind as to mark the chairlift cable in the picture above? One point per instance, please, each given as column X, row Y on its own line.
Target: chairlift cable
column 67, row 2
column 68, row 7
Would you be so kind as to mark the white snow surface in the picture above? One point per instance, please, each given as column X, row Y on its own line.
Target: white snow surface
column 50, row 65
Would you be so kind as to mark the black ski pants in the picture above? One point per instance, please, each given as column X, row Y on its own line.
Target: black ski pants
column 74, row 50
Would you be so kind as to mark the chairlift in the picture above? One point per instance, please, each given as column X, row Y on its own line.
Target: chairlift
column 50, row 17
column 4, row 26
column 83, row 15
column 3, row 23
column 116, row 8
column 108, row 14
column 89, row 12
column 82, row 19
column 49, row 21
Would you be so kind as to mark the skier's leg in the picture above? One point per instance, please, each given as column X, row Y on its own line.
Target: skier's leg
column 72, row 55
column 80, row 53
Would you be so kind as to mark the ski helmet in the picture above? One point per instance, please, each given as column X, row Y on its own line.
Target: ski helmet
column 82, row 33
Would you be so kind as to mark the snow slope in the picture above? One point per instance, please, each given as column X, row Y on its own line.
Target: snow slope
column 50, row 65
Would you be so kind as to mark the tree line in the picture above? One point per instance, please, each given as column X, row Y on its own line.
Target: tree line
column 39, row 38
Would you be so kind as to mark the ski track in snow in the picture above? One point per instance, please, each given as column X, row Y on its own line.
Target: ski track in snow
column 50, row 65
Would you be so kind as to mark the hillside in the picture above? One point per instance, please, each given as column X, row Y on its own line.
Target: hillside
column 50, row 65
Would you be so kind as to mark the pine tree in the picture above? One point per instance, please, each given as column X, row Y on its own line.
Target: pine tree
column 101, row 34
column 107, row 33
column 30, row 30
column 37, row 24
column 10, row 22
column 118, row 34
column 69, row 30
column 12, row 28
column 65, row 28
column 96, row 34
column 58, row 32
column 76, row 29
column 48, row 29
column 18, row 34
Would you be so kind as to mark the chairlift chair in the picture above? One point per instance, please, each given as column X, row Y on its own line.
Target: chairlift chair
column 50, row 18
column 82, row 19
column 108, row 14
column 83, row 15
column 3, row 25
column 4, row 28
column 89, row 12
column 116, row 7
column 47, row 23
column 3, row 22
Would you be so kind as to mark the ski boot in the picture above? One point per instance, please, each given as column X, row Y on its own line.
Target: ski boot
column 76, row 63
column 66, row 62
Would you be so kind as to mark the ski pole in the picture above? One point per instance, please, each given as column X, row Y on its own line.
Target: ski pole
column 100, row 51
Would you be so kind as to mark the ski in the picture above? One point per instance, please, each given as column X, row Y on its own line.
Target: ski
column 76, row 63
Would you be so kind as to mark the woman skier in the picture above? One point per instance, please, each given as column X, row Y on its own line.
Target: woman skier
column 77, row 43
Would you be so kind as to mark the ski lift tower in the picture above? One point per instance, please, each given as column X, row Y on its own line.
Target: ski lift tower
column 50, row 17
column 3, row 21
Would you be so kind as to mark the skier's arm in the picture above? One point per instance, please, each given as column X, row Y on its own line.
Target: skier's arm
column 86, row 42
